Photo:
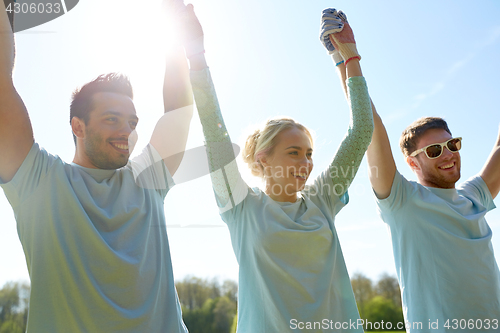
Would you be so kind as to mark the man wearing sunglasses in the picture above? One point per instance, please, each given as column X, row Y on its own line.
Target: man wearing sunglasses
column 441, row 241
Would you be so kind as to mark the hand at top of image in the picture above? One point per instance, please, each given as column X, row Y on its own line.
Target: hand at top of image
column 341, row 39
column 330, row 23
column 189, row 30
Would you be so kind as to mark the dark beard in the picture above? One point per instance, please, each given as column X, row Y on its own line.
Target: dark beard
column 99, row 158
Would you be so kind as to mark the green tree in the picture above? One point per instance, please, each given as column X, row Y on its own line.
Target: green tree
column 235, row 323
column 388, row 287
column 14, row 300
column 11, row 326
column 9, row 300
column 380, row 309
column 229, row 289
column 193, row 292
column 207, row 306
column 224, row 312
column 362, row 287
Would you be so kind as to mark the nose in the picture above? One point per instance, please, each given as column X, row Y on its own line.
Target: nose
column 446, row 152
column 306, row 164
column 126, row 130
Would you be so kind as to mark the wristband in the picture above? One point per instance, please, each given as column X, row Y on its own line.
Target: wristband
column 337, row 57
column 356, row 57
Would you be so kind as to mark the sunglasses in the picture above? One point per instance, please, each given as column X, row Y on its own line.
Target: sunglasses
column 436, row 149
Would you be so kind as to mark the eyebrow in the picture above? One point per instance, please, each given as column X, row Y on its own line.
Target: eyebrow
column 114, row 113
column 297, row 147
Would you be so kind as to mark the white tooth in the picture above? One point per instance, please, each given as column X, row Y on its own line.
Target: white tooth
column 120, row 146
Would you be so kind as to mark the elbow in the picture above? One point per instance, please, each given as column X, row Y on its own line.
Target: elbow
column 366, row 134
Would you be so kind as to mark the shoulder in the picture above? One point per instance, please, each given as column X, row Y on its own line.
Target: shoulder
column 475, row 183
column 37, row 162
column 252, row 204
column 402, row 190
column 476, row 188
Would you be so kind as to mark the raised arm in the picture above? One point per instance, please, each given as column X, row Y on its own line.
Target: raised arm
column 170, row 135
column 16, row 135
column 380, row 160
column 381, row 165
column 491, row 170
column 338, row 38
column 227, row 183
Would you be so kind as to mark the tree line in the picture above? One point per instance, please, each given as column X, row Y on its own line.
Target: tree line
column 210, row 305
column 378, row 301
column 14, row 300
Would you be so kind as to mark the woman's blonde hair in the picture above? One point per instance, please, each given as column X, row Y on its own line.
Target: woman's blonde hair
column 262, row 142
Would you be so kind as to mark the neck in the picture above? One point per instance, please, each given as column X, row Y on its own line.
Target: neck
column 82, row 159
column 280, row 195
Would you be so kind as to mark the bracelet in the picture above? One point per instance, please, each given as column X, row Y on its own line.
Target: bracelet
column 356, row 57
column 339, row 63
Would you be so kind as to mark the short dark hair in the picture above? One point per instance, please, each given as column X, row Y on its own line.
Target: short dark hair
column 413, row 133
column 82, row 102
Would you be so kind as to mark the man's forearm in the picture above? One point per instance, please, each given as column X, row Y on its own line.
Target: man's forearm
column 177, row 92
column 491, row 170
column 6, row 42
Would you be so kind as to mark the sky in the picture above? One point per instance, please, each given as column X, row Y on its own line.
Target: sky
column 420, row 58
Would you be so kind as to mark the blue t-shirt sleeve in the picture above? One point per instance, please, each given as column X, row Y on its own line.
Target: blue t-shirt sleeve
column 29, row 175
column 150, row 171
column 323, row 192
column 476, row 188
column 401, row 191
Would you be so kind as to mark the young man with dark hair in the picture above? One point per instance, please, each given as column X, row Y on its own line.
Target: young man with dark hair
column 93, row 231
column 410, row 136
column 441, row 241
column 82, row 99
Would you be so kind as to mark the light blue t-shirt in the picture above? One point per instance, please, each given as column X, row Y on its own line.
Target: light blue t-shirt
column 300, row 288
column 96, row 245
column 443, row 254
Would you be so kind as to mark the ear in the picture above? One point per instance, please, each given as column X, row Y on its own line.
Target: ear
column 413, row 163
column 78, row 127
column 263, row 161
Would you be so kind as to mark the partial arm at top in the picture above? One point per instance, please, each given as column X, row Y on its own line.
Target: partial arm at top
column 171, row 133
column 491, row 170
column 227, row 183
column 338, row 38
column 382, row 167
column 16, row 135
column 352, row 149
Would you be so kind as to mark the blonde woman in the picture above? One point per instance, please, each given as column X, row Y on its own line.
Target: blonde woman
column 292, row 273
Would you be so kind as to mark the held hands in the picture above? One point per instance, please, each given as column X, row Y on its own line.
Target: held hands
column 189, row 28
column 191, row 32
column 337, row 36
column 330, row 23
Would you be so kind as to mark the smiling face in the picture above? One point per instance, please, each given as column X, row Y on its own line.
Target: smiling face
column 103, row 142
column 441, row 172
column 288, row 168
